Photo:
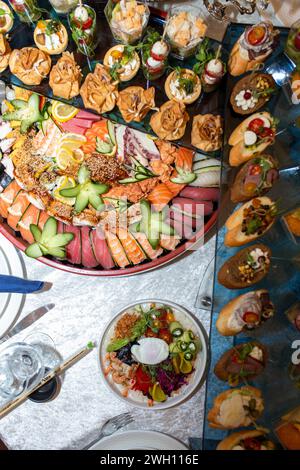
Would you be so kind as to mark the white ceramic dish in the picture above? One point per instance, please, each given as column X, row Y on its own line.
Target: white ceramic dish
column 10, row 304
column 139, row 440
column 200, row 365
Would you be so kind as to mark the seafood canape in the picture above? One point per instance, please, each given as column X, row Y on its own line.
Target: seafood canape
column 30, row 65
column 154, row 51
column 153, row 355
column 252, row 93
column 170, row 121
column 123, row 62
column 65, row 77
column 83, row 22
column 127, row 19
column 6, row 18
column 183, row 85
column 185, row 29
column 51, row 36
column 207, row 132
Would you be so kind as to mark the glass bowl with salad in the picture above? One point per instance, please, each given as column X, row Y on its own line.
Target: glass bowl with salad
column 83, row 23
column 154, row 53
column 153, row 354
column 127, row 19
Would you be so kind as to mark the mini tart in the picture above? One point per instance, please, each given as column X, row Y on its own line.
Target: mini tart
column 189, row 98
column 6, row 21
column 63, row 40
column 251, row 82
column 122, row 76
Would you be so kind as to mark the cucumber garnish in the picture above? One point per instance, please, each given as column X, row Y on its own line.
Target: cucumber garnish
column 48, row 241
column 25, row 111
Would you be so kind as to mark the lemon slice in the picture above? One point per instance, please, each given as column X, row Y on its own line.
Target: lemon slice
column 78, row 156
column 157, row 393
column 63, row 158
column 72, row 137
column 62, row 183
column 62, row 112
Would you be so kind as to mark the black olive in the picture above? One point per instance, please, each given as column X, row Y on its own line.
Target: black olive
column 124, row 354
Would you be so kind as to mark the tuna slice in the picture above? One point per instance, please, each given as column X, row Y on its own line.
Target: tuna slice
column 86, row 123
column 70, row 127
column 73, row 249
column 86, row 115
column 88, row 257
column 100, row 248
column 195, row 208
column 202, row 194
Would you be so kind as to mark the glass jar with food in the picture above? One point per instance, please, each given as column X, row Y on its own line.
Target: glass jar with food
column 6, row 18
column 82, row 21
column 292, row 47
column 28, row 11
column 62, row 7
column 185, row 29
column 154, row 51
column 127, row 19
column 209, row 66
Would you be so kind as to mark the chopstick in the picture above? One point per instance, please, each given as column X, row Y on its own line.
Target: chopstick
column 65, row 365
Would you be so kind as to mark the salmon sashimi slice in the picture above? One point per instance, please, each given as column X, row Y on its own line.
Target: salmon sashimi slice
column 98, row 130
column 144, row 243
column 44, row 216
column 17, row 209
column 7, row 197
column 169, row 242
column 160, row 196
column 116, row 249
column 133, row 251
column 30, row 216
column 174, row 187
column 184, row 158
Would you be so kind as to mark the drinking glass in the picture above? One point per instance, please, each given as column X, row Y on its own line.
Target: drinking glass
column 62, row 7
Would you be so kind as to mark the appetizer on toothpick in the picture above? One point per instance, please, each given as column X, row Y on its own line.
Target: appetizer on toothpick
column 30, row 65
column 183, row 85
column 253, row 47
column 209, row 67
column 154, row 53
column 83, row 22
column 245, row 313
column 251, row 137
column 170, row 121
column 65, row 77
column 51, row 36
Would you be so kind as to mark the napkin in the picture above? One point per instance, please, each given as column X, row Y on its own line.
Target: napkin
column 18, row 285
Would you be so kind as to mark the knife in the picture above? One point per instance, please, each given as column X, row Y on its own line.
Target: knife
column 27, row 321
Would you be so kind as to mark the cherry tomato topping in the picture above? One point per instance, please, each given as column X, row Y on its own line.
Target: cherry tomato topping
column 88, row 23
column 256, row 35
column 266, row 132
column 250, row 317
column 170, row 317
column 165, row 335
column 255, row 125
column 251, row 444
column 255, row 170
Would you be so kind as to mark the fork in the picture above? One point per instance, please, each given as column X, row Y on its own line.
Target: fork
column 110, row 426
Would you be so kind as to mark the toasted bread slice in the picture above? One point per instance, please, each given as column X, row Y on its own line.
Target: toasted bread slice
column 233, row 439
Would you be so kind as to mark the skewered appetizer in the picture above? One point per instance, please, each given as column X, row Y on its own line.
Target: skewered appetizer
column 207, row 132
column 252, row 93
column 170, row 121
column 6, row 18
column 123, row 62
column 30, row 65
column 252, row 48
column 65, row 77
column 245, row 268
column 251, row 221
column 185, row 30
column 128, row 20
column 255, row 178
column 255, row 439
column 235, row 408
column 155, row 53
column 241, row 363
column 5, row 52
column 183, row 85
column 83, row 22
column 245, row 312
column 292, row 47
column 51, row 36
column 251, row 137
column 209, row 67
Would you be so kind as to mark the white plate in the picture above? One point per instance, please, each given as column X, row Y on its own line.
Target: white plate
column 201, row 362
column 10, row 304
column 139, row 440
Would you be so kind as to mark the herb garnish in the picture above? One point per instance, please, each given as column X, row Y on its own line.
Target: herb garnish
column 204, row 55
column 117, row 67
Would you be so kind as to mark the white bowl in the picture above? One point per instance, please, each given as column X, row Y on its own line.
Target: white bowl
column 200, row 365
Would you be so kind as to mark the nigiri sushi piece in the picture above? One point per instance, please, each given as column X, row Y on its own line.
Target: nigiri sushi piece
column 100, row 249
column 88, row 258
column 169, row 242
column 30, row 216
column 147, row 248
column 133, row 251
column 73, row 249
column 7, row 197
column 160, row 196
column 17, row 209
column 116, row 249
